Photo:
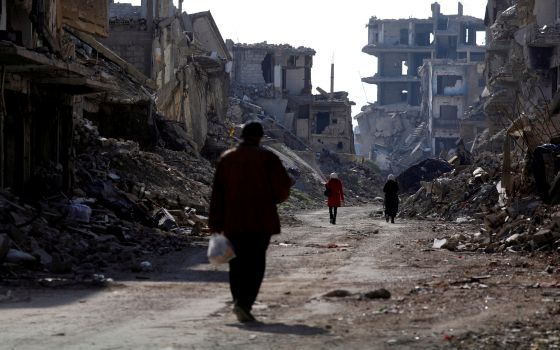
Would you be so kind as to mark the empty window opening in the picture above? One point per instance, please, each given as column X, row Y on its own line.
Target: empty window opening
column 267, row 69
column 477, row 56
column 419, row 60
column 432, row 38
column 303, row 112
column 423, row 39
column 447, row 48
column 448, row 112
column 323, row 120
column 462, row 55
column 442, row 23
column 404, row 68
column 292, row 61
column 540, row 57
column 334, row 121
column 340, row 145
column 404, row 96
column 480, row 38
column 404, row 37
column 446, row 84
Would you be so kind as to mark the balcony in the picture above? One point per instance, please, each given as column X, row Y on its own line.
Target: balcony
column 377, row 79
column 374, row 49
column 448, row 124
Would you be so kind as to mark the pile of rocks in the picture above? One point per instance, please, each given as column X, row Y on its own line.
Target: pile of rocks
column 526, row 225
column 468, row 191
column 473, row 195
column 127, row 206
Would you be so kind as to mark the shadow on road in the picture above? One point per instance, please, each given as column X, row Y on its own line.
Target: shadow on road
column 281, row 328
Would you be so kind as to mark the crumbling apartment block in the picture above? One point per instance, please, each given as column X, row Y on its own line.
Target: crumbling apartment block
column 278, row 78
column 523, row 65
column 523, row 77
column 452, row 86
column 48, row 75
column 402, row 47
column 183, row 54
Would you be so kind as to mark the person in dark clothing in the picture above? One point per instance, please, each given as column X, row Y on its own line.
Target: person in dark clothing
column 248, row 183
column 336, row 196
column 391, row 190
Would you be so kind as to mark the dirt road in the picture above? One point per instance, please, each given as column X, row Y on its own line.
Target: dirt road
column 439, row 299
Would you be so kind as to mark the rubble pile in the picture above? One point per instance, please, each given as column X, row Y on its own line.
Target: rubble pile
column 526, row 225
column 468, row 191
column 253, row 91
column 473, row 194
column 167, row 178
column 128, row 205
column 427, row 170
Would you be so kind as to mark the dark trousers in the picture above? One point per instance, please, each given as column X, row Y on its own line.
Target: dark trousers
column 332, row 214
column 246, row 270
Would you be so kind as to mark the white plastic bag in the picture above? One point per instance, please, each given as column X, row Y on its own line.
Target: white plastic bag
column 220, row 250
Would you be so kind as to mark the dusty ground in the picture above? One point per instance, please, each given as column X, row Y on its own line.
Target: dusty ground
column 439, row 299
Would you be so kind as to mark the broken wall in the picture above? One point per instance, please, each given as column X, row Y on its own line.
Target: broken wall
column 331, row 127
column 248, row 66
column 88, row 16
column 133, row 42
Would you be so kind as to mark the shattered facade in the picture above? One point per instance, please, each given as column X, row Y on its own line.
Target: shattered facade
column 451, row 86
column 523, row 77
column 184, row 55
column 396, row 129
column 48, row 78
column 278, row 78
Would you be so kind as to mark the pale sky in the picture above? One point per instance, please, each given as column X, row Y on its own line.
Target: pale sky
column 332, row 28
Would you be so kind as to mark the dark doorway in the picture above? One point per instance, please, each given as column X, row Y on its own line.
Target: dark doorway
column 267, row 69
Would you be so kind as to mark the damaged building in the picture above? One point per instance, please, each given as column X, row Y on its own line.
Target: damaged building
column 522, row 91
column 451, row 86
column 184, row 56
column 402, row 127
column 49, row 75
column 278, row 78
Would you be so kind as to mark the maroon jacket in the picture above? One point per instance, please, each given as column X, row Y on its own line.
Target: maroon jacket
column 337, row 194
column 248, row 183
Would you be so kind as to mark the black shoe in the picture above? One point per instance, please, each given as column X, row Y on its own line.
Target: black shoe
column 387, row 218
column 243, row 315
column 392, row 220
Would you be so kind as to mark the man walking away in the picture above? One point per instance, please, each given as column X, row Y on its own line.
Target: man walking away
column 248, row 183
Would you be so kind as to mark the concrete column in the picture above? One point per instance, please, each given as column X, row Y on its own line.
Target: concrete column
column 150, row 14
column 278, row 76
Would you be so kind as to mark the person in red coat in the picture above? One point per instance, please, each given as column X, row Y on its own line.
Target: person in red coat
column 335, row 195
